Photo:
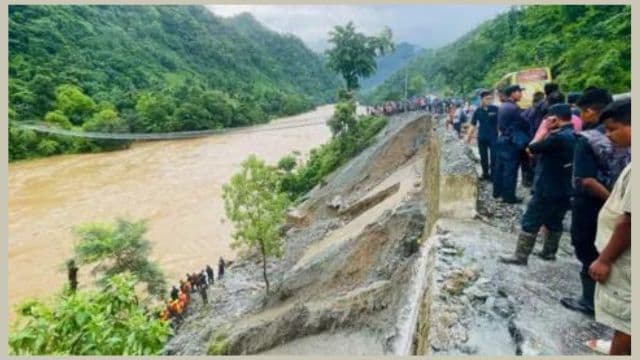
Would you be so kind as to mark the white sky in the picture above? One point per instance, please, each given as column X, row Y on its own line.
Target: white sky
column 425, row 25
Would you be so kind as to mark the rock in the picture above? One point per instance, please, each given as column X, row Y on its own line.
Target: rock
column 458, row 280
column 362, row 205
column 449, row 251
column 445, row 242
column 440, row 230
column 336, row 203
column 475, row 293
column 468, row 349
column 469, row 274
column 298, row 218
column 503, row 292
column 503, row 307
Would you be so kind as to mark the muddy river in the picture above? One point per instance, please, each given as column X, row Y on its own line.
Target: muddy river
column 176, row 185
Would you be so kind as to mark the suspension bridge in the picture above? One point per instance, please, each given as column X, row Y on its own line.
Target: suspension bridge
column 49, row 129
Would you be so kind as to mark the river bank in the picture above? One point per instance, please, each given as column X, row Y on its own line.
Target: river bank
column 177, row 185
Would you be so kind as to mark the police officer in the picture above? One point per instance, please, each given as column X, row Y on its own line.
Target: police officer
column 512, row 139
column 597, row 165
column 551, row 197
column 487, row 116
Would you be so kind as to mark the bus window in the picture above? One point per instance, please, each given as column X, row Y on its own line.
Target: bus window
column 530, row 80
column 532, row 75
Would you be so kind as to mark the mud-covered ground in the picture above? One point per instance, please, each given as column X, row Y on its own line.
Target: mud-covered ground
column 348, row 267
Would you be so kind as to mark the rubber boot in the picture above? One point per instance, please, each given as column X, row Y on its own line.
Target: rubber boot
column 583, row 304
column 526, row 242
column 550, row 247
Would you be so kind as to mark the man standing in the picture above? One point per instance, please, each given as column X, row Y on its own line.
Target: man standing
column 597, row 165
column 72, row 272
column 539, row 111
column 612, row 269
column 458, row 119
column 221, row 266
column 210, row 274
column 512, row 139
column 174, row 293
column 551, row 197
column 203, row 294
column 487, row 116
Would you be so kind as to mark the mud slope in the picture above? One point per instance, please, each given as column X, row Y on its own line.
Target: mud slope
column 351, row 269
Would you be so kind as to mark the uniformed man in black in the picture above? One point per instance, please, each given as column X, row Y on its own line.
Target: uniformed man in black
column 551, row 198
column 596, row 167
column 513, row 136
column 487, row 116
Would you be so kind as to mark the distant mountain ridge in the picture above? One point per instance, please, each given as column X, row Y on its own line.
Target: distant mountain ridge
column 390, row 63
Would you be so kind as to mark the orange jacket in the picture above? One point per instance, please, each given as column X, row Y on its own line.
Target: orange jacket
column 184, row 299
column 176, row 307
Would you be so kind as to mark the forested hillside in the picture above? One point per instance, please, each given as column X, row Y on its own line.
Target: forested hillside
column 583, row 46
column 390, row 63
column 151, row 69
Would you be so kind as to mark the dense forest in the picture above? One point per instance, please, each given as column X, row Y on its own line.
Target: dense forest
column 151, row 69
column 390, row 63
column 582, row 45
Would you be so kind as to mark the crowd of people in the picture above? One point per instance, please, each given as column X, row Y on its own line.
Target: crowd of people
column 180, row 297
column 574, row 154
column 431, row 103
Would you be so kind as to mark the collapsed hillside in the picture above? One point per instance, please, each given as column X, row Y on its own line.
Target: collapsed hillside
column 391, row 256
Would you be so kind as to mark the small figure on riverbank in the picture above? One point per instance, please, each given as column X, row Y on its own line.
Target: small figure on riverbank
column 221, row 268
column 210, row 275
column 72, row 272
column 203, row 294
column 202, row 280
column 174, row 293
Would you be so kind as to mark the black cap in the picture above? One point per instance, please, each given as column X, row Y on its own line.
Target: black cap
column 619, row 110
column 511, row 89
column 573, row 97
column 484, row 93
column 562, row 111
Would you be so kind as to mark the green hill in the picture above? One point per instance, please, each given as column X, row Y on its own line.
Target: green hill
column 151, row 69
column 583, row 46
column 388, row 64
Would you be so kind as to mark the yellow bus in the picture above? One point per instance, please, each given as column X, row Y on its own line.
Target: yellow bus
column 531, row 80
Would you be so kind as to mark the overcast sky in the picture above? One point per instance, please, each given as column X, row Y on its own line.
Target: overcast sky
column 428, row 26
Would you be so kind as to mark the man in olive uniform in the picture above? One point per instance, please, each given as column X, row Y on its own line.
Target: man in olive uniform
column 551, row 198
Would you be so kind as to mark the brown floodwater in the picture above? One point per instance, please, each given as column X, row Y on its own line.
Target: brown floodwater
column 176, row 185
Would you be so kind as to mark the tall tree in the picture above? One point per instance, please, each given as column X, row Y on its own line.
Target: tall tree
column 353, row 54
column 253, row 202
